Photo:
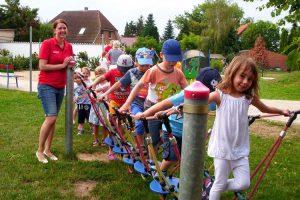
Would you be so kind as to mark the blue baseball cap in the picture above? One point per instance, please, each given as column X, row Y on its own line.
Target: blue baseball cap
column 144, row 56
column 210, row 77
column 172, row 50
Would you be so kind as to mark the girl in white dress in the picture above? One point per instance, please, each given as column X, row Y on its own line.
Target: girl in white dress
column 229, row 141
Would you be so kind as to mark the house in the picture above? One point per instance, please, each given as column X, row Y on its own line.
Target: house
column 275, row 60
column 88, row 26
column 242, row 28
column 7, row 35
column 128, row 41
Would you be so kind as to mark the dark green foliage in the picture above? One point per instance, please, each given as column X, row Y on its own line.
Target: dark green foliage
column 150, row 29
column 268, row 30
column 130, row 29
column 14, row 16
column 292, row 6
column 169, row 31
column 19, row 62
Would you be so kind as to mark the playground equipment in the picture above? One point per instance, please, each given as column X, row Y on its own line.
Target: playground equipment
column 192, row 61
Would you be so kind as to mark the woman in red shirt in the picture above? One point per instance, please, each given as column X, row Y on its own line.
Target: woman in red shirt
column 54, row 56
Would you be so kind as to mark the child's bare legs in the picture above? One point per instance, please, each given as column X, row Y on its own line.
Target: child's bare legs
column 96, row 135
column 80, row 128
column 74, row 114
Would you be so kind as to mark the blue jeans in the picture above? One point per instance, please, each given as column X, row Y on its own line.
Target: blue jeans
column 51, row 98
column 139, row 128
column 169, row 152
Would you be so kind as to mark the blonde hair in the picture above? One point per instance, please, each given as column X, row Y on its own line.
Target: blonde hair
column 116, row 44
column 87, row 69
column 100, row 70
column 226, row 84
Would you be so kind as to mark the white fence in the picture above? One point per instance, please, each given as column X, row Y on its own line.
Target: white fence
column 23, row 48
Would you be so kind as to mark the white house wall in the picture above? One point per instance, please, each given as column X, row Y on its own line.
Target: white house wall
column 23, row 48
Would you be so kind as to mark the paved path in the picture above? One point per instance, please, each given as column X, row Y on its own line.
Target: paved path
column 25, row 86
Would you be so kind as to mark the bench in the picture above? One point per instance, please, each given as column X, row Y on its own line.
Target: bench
column 8, row 72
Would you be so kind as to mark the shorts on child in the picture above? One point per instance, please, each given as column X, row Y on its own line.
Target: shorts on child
column 139, row 128
column 112, row 104
column 169, row 152
column 93, row 118
column 83, row 112
column 51, row 98
column 155, row 129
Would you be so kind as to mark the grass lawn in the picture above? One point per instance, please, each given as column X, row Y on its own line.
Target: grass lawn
column 284, row 86
column 22, row 177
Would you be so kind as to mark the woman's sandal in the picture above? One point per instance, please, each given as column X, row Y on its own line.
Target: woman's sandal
column 43, row 160
column 52, row 157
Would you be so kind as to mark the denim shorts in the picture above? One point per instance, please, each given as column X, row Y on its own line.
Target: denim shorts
column 139, row 128
column 51, row 98
column 169, row 152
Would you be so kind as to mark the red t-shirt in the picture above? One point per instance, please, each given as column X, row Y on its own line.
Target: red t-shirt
column 120, row 95
column 51, row 52
column 106, row 49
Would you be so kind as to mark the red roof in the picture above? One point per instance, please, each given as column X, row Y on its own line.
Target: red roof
column 128, row 41
column 242, row 28
column 93, row 21
column 275, row 60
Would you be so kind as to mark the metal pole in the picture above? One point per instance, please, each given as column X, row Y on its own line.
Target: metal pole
column 195, row 110
column 102, row 36
column 69, row 110
column 30, row 60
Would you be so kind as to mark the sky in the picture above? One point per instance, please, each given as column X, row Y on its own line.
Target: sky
column 118, row 12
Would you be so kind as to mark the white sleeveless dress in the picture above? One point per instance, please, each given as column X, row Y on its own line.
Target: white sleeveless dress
column 230, row 134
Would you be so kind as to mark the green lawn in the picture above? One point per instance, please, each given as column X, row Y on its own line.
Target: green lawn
column 22, row 177
column 284, row 86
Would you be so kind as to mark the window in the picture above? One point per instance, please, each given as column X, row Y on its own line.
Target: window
column 81, row 32
column 109, row 34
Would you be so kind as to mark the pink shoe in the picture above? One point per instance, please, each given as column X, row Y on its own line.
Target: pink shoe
column 111, row 157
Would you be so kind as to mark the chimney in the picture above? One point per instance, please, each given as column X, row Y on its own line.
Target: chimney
column 86, row 8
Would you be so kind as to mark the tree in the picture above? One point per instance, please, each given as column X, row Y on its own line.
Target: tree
column 150, row 28
column 267, row 30
column 45, row 31
column 259, row 53
column 169, row 31
column 14, row 16
column 130, row 29
column 140, row 26
column 283, row 39
column 293, row 7
column 213, row 20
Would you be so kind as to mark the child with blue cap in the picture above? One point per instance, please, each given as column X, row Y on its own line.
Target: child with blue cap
column 163, row 80
column 143, row 61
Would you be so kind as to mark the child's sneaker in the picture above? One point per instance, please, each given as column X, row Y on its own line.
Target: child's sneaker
column 96, row 143
column 111, row 156
column 80, row 132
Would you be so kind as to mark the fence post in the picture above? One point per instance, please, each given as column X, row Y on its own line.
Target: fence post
column 195, row 109
column 69, row 110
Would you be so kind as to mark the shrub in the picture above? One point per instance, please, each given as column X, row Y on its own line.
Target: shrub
column 21, row 63
column 217, row 64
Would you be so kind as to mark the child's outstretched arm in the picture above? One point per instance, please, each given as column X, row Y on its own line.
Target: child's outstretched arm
column 132, row 95
column 163, row 105
column 97, row 81
column 268, row 109
column 110, row 90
